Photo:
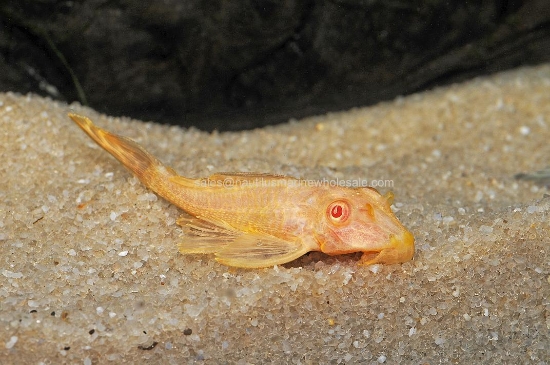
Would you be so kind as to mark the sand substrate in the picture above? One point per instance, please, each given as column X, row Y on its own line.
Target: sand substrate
column 90, row 272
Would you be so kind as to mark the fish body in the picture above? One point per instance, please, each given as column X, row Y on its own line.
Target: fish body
column 254, row 220
column 541, row 177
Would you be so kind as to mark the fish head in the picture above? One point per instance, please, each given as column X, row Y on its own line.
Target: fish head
column 361, row 220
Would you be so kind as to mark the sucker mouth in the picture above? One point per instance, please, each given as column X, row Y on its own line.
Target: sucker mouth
column 399, row 250
column 404, row 244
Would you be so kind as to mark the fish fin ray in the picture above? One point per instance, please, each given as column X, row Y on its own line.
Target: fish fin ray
column 140, row 162
column 249, row 177
column 191, row 245
column 183, row 181
column 197, row 226
column 228, row 180
column 202, row 236
column 259, row 250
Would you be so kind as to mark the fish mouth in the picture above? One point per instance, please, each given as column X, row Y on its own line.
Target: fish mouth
column 404, row 244
column 399, row 250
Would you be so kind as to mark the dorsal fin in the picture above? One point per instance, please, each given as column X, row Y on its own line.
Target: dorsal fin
column 249, row 177
column 184, row 181
column 230, row 179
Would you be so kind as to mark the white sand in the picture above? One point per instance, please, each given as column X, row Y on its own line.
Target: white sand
column 90, row 272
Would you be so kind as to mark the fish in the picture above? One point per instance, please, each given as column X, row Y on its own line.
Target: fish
column 540, row 177
column 257, row 220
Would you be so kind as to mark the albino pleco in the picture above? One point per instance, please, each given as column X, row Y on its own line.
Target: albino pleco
column 257, row 220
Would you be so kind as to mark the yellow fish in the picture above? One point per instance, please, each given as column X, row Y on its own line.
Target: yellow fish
column 253, row 220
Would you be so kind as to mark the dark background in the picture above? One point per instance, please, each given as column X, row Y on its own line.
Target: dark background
column 229, row 65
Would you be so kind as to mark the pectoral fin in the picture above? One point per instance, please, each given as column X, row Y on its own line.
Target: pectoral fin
column 256, row 250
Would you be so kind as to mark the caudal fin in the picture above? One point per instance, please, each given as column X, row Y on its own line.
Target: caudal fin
column 142, row 164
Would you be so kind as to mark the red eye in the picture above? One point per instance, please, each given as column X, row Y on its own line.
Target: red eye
column 338, row 211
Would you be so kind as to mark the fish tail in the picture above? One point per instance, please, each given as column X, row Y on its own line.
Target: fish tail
column 141, row 163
